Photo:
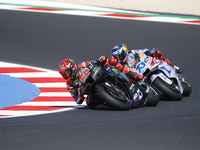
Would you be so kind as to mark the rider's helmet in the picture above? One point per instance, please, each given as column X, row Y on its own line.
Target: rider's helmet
column 120, row 53
column 68, row 69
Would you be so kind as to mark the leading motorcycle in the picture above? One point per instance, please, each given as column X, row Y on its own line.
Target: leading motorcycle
column 112, row 88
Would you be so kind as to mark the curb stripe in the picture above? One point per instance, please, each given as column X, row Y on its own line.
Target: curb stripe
column 4, row 116
column 55, row 99
column 193, row 21
column 52, row 104
column 43, row 9
column 53, row 89
column 83, row 10
column 20, row 113
column 34, row 74
column 54, row 96
column 124, row 15
column 61, row 94
column 35, row 108
column 18, row 70
column 52, row 85
column 44, row 80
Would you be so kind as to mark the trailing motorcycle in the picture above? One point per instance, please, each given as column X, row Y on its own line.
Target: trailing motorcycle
column 112, row 88
column 163, row 78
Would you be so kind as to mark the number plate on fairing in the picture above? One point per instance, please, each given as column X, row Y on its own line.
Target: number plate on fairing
column 138, row 95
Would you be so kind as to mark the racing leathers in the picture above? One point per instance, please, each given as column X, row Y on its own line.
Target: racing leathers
column 132, row 58
column 76, row 86
column 122, row 68
column 153, row 52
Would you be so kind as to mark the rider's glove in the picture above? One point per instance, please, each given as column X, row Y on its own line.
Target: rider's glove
column 151, row 52
column 135, row 76
column 115, row 64
column 112, row 62
column 102, row 60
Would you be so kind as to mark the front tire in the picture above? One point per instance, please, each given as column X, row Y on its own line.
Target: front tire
column 167, row 90
column 114, row 102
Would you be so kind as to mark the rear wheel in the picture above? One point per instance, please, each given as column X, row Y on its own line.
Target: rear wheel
column 167, row 90
column 152, row 97
column 187, row 89
column 114, row 99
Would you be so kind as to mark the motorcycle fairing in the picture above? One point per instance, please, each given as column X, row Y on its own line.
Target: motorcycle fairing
column 167, row 73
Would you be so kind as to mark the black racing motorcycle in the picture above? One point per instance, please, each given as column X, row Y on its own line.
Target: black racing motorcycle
column 112, row 88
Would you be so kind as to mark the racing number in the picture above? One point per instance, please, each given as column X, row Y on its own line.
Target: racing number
column 85, row 72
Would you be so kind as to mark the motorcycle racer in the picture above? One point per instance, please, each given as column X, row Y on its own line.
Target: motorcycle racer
column 74, row 76
column 130, row 59
column 122, row 68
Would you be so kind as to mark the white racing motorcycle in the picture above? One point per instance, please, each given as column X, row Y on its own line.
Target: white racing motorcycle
column 162, row 77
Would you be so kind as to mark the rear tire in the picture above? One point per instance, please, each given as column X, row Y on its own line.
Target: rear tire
column 114, row 102
column 167, row 90
column 187, row 89
column 152, row 97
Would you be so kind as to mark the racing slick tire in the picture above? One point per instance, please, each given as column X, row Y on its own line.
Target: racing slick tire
column 107, row 96
column 187, row 89
column 152, row 97
column 167, row 90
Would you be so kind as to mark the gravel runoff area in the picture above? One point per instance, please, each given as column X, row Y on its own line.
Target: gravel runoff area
column 188, row 7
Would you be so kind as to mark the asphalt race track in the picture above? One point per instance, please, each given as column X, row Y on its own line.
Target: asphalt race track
column 44, row 40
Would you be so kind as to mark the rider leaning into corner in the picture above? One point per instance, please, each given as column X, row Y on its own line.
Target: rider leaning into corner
column 74, row 74
column 125, row 60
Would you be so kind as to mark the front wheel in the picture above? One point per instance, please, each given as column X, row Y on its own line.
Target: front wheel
column 106, row 95
column 167, row 90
